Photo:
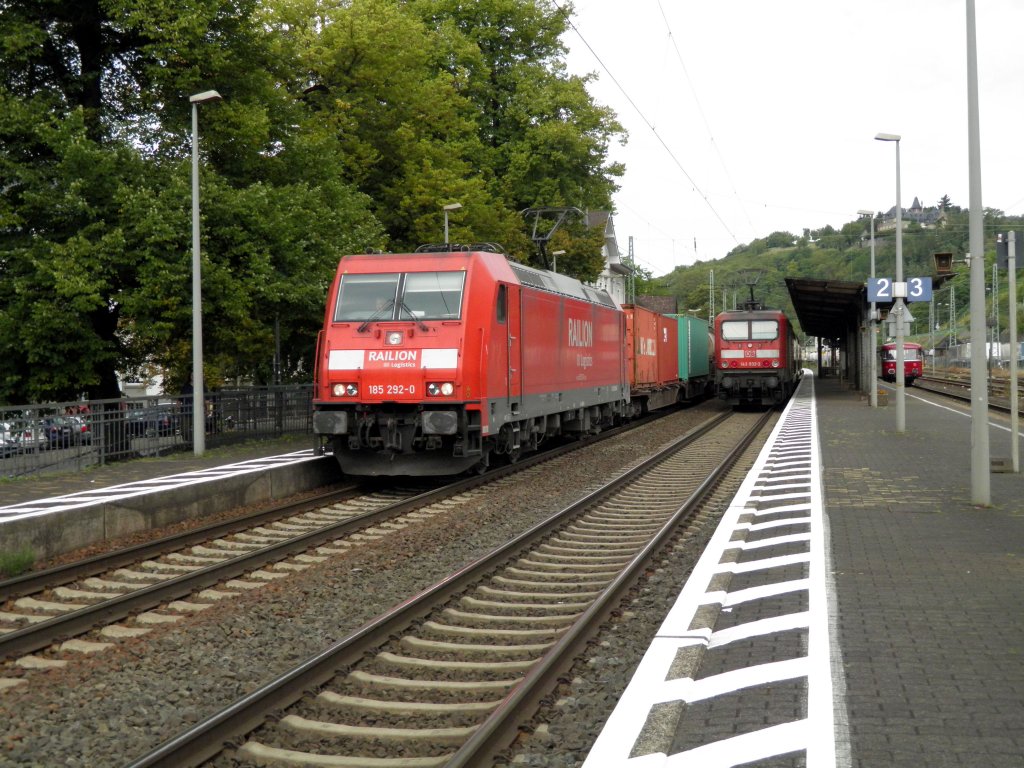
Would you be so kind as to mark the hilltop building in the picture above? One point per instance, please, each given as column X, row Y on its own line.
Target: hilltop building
column 928, row 218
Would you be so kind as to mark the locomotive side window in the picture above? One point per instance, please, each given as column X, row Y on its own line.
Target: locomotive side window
column 501, row 309
column 365, row 297
column 753, row 330
column 433, row 295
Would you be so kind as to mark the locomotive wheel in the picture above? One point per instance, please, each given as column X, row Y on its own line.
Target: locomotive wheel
column 484, row 464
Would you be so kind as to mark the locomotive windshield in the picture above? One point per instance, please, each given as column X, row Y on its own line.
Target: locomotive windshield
column 400, row 296
column 750, row 330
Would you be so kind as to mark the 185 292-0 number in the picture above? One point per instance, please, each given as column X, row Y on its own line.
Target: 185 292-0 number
column 392, row 389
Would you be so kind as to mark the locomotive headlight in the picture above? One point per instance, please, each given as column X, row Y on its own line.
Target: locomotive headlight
column 439, row 388
column 775, row 363
column 345, row 390
column 393, row 338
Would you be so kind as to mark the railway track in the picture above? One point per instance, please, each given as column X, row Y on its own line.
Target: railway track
column 53, row 617
column 959, row 388
column 445, row 678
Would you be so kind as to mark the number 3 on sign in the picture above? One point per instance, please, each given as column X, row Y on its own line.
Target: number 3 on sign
column 919, row 289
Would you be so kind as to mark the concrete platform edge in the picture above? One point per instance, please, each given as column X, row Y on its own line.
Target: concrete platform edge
column 61, row 532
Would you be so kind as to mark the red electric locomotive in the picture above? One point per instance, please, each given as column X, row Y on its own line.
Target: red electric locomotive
column 913, row 358
column 430, row 362
column 757, row 356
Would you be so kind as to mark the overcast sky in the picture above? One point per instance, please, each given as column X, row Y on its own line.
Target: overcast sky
column 747, row 116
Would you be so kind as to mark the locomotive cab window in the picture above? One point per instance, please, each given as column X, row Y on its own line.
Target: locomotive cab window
column 400, row 296
column 750, row 330
column 366, row 297
column 432, row 295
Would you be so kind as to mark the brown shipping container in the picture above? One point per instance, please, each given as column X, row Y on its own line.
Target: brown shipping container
column 652, row 348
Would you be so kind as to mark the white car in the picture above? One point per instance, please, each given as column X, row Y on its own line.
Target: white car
column 9, row 444
column 31, row 437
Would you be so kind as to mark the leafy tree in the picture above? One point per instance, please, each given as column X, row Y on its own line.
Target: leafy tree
column 544, row 140
column 96, row 257
column 343, row 127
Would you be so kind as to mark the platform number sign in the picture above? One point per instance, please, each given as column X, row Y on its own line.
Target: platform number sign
column 885, row 289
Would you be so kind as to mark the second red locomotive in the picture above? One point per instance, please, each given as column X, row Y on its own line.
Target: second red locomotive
column 757, row 356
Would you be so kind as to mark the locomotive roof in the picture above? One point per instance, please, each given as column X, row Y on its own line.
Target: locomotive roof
column 535, row 278
column 759, row 312
column 556, row 283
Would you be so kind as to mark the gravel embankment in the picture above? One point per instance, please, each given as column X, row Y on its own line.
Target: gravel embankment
column 123, row 702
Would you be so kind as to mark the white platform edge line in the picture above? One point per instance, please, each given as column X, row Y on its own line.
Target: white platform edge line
column 616, row 740
column 129, row 490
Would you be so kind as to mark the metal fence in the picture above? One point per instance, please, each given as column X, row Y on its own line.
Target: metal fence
column 75, row 435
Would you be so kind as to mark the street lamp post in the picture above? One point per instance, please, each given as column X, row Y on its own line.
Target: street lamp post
column 872, row 369
column 554, row 259
column 899, row 287
column 981, row 489
column 198, row 396
column 447, row 208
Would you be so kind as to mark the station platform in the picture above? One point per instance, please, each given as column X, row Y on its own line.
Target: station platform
column 54, row 514
column 853, row 608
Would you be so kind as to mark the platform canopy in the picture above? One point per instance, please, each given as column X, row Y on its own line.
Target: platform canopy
column 828, row 309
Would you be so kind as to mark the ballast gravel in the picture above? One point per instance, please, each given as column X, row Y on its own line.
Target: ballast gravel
column 110, row 708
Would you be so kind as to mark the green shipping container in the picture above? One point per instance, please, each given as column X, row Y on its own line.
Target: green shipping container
column 694, row 349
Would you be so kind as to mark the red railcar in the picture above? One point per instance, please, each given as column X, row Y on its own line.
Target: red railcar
column 652, row 350
column 431, row 362
column 757, row 356
column 913, row 362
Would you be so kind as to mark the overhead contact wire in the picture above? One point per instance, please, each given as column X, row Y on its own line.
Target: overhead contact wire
column 650, row 126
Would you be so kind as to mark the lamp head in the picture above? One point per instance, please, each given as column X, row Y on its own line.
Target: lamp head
column 886, row 137
column 451, row 206
column 862, row 212
column 201, row 98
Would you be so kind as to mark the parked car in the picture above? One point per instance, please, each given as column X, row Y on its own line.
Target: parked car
column 153, row 421
column 31, row 436
column 9, row 443
column 80, row 430
column 60, row 432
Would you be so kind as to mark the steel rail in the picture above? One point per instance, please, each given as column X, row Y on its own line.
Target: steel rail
column 45, row 633
column 501, row 728
column 36, row 581
column 208, row 737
